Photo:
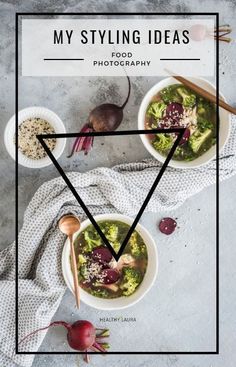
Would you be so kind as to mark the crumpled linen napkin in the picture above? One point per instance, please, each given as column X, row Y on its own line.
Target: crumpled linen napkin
column 121, row 189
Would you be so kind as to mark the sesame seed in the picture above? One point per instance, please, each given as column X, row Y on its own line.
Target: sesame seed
column 27, row 141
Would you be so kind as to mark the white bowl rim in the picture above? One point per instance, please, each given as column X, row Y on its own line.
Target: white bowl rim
column 9, row 132
column 175, row 163
column 109, row 304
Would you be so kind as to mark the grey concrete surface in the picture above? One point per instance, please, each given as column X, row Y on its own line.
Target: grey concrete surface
column 179, row 311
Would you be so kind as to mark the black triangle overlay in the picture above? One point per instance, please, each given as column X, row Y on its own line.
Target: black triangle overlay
column 178, row 131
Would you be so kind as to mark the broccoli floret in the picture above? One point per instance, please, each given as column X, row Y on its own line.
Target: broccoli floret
column 213, row 141
column 204, row 124
column 111, row 232
column 156, row 109
column 205, row 107
column 81, row 259
column 198, row 139
column 179, row 151
column 131, row 280
column 163, row 142
column 182, row 153
column 92, row 240
column 188, row 98
column 201, row 109
column 169, row 94
column 83, row 271
column 137, row 250
column 116, row 246
column 101, row 293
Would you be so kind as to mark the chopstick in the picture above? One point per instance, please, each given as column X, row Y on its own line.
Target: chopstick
column 223, row 39
column 202, row 92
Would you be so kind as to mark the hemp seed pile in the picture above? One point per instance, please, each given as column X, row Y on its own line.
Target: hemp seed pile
column 27, row 140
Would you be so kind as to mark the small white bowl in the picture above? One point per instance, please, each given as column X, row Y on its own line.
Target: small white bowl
column 204, row 158
column 32, row 112
column 121, row 302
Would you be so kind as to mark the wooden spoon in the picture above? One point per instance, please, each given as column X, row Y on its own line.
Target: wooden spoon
column 68, row 225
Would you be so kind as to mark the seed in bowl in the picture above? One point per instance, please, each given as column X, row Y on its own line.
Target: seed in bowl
column 28, row 143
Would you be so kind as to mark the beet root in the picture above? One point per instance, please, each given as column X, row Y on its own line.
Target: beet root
column 167, row 225
column 81, row 336
column 175, row 110
column 102, row 254
column 105, row 117
column 185, row 137
column 110, row 276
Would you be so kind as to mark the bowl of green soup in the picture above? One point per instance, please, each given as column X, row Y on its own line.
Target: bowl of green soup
column 170, row 104
column 105, row 283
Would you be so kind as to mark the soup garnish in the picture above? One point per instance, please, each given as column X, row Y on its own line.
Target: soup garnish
column 99, row 273
column 178, row 106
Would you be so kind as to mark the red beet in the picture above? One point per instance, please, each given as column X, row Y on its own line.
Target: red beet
column 106, row 117
column 185, row 137
column 102, row 254
column 81, row 336
column 174, row 109
column 174, row 112
column 110, row 276
column 167, row 225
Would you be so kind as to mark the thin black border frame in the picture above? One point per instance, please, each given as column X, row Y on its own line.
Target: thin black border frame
column 216, row 15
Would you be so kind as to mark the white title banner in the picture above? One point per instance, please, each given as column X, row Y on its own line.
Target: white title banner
column 113, row 47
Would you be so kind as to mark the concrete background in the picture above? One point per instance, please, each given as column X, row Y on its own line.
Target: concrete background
column 179, row 311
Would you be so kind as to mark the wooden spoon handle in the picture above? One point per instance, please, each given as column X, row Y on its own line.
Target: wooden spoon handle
column 74, row 271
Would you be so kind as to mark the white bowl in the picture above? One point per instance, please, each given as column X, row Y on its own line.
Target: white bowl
column 121, row 302
column 23, row 115
column 204, row 158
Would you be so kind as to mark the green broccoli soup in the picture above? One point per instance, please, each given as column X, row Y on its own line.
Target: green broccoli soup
column 178, row 106
column 99, row 273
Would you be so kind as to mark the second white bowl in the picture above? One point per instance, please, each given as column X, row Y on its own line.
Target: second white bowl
column 204, row 158
column 32, row 112
column 121, row 302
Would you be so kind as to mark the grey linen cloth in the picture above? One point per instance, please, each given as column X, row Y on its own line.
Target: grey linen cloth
column 121, row 189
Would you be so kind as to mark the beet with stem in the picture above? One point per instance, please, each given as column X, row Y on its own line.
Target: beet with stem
column 105, row 117
column 81, row 336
